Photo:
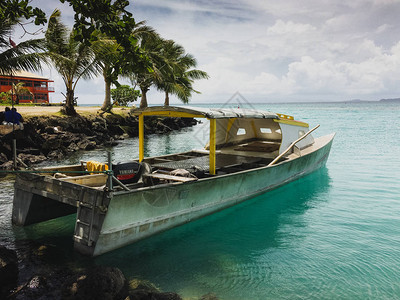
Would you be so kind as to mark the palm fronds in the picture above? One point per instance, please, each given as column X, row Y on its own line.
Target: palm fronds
column 27, row 55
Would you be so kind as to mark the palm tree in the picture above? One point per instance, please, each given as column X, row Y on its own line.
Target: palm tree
column 24, row 56
column 148, row 70
column 111, row 58
column 108, row 54
column 17, row 90
column 72, row 59
column 178, row 76
column 170, row 70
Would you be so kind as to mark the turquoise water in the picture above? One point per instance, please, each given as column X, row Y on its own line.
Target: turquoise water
column 334, row 234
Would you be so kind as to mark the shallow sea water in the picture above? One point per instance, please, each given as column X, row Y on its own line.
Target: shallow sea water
column 334, row 234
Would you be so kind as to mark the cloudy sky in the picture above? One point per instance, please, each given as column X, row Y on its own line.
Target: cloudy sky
column 273, row 51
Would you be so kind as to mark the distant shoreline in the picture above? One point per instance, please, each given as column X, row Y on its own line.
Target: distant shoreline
column 30, row 111
column 93, row 109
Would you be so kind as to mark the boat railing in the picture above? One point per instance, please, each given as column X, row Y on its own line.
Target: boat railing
column 291, row 146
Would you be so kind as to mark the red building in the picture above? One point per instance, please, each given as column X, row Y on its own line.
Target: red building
column 37, row 85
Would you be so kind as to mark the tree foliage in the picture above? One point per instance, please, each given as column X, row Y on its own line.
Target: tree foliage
column 171, row 70
column 13, row 11
column 108, row 56
column 178, row 73
column 18, row 90
column 26, row 55
column 106, row 16
column 124, row 94
column 111, row 58
column 72, row 59
column 107, row 28
column 5, row 98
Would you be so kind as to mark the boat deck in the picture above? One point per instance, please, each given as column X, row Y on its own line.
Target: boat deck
column 263, row 149
column 203, row 162
column 232, row 159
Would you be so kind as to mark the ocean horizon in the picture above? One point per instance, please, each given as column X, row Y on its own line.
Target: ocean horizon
column 239, row 99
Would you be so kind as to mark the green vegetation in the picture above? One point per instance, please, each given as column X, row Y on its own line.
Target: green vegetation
column 18, row 90
column 105, row 40
column 111, row 58
column 123, row 95
column 5, row 98
column 26, row 55
column 178, row 77
column 71, row 58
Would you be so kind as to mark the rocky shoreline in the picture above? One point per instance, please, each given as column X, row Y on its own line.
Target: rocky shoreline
column 55, row 137
column 27, row 275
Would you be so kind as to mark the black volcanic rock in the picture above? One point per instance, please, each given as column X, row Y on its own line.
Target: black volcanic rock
column 53, row 137
column 8, row 271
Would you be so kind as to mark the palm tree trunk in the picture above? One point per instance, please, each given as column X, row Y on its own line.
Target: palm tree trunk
column 107, row 99
column 143, row 101
column 166, row 102
column 69, row 103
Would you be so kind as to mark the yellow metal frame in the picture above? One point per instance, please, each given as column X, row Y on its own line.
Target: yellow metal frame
column 286, row 119
column 228, row 127
column 213, row 132
column 253, row 126
column 141, row 137
column 172, row 114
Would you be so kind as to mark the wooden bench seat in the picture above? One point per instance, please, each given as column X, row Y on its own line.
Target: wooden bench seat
column 88, row 180
column 258, row 146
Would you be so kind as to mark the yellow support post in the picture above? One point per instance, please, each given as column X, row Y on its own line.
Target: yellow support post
column 228, row 128
column 254, row 129
column 213, row 132
column 141, row 137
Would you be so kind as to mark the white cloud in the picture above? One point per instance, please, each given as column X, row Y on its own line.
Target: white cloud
column 282, row 28
column 289, row 50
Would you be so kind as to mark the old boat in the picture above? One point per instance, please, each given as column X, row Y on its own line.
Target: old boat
column 249, row 152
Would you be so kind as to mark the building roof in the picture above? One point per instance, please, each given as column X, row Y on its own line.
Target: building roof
column 26, row 74
column 200, row 112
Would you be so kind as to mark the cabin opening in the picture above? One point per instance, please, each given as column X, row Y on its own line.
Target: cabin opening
column 261, row 137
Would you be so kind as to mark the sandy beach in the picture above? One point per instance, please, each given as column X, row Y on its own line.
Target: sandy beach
column 27, row 111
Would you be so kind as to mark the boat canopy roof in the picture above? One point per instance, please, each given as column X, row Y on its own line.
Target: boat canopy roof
column 200, row 112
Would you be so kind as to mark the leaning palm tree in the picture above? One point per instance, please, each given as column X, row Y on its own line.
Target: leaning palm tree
column 108, row 54
column 27, row 55
column 178, row 75
column 170, row 70
column 148, row 70
column 111, row 56
column 72, row 59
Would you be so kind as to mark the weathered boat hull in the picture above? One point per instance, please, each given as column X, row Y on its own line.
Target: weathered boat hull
column 107, row 220
column 134, row 215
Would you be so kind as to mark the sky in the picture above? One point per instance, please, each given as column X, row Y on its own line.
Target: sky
column 271, row 51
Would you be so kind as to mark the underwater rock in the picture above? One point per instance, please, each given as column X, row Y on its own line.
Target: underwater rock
column 96, row 283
